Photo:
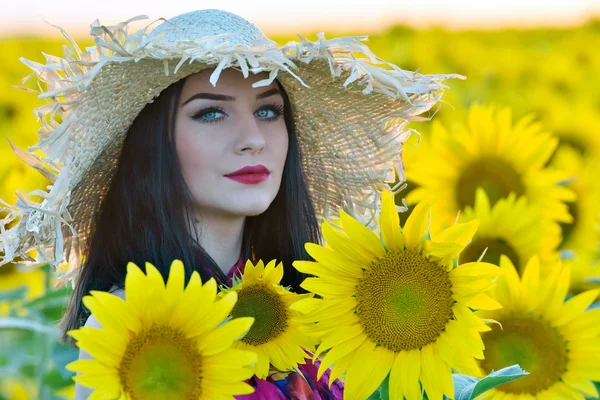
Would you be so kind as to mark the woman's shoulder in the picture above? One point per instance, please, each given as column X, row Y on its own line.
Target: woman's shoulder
column 117, row 291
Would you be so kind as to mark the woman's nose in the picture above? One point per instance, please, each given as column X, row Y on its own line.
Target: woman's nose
column 251, row 137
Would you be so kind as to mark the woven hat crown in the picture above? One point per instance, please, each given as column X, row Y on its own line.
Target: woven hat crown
column 194, row 25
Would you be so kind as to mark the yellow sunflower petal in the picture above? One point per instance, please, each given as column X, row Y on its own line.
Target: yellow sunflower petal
column 580, row 383
column 362, row 236
column 417, row 225
column 587, row 325
column 395, row 383
column 480, row 301
column 92, row 340
column 339, row 352
column 277, row 273
column 555, row 293
column 458, row 234
column 432, row 385
column 342, row 244
column 111, row 303
column 442, row 250
column 531, row 282
column 176, row 281
column 104, row 384
column 252, row 272
column 335, row 338
column 404, row 376
column 135, row 287
column 368, row 368
column 327, row 289
column 222, row 337
column 339, row 368
column 336, row 263
column 456, row 356
column 217, row 314
column 575, row 306
column 509, row 289
column 91, row 367
column 105, row 316
column 315, row 268
column 390, row 223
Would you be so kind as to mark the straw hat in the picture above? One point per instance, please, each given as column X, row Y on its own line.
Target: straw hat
column 351, row 110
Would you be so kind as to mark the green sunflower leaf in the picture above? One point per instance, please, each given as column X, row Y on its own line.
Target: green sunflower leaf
column 468, row 388
column 382, row 392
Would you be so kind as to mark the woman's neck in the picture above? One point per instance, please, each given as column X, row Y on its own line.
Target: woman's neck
column 221, row 238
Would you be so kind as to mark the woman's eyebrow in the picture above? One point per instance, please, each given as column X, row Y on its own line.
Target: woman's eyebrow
column 224, row 97
column 209, row 96
column 268, row 93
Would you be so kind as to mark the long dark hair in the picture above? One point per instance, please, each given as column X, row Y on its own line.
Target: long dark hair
column 147, row 212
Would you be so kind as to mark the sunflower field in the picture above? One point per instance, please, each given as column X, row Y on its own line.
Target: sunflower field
column 485, row 284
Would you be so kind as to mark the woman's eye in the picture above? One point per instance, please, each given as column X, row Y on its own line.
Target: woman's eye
column 270, row 113
column 211, row 114
column 265, row 113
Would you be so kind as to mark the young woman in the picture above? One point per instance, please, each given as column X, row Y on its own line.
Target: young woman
column 209, row 175
column 205, row 141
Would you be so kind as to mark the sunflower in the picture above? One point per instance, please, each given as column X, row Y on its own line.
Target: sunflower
column 15, row 276
column 164, row 341
column 557, row 342
column 276, row 335
column 396, row 304
column 577, row 127
column 511, row 227
column 13, row 389
column 491, row 153
column 582, row 236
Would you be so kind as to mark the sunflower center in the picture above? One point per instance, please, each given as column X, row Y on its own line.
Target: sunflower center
column 269, row 312
column 533, row 344
column 161, row 363
column 494, row 175
column 495, row 248
column 404, row 301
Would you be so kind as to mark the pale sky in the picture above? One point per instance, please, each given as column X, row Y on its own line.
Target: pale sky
column 27, row 16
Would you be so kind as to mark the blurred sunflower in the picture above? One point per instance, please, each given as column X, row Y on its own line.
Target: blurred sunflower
column 511, row 227
column 14, row 276
column 577, row 127
column 275, row 336
column 557, row 342
column 163, row 342
column 13, row 389
column 395, row 304
column 492, row 153
column 582, row 236
column 19, row 124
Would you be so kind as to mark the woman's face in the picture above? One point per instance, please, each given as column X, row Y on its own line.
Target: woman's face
column 221, row 130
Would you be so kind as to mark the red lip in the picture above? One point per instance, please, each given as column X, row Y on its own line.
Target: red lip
column 256, row 169
column 250, row 175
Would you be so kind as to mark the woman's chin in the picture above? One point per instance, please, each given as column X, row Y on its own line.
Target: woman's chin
column 249, row 207
column 253, row 210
